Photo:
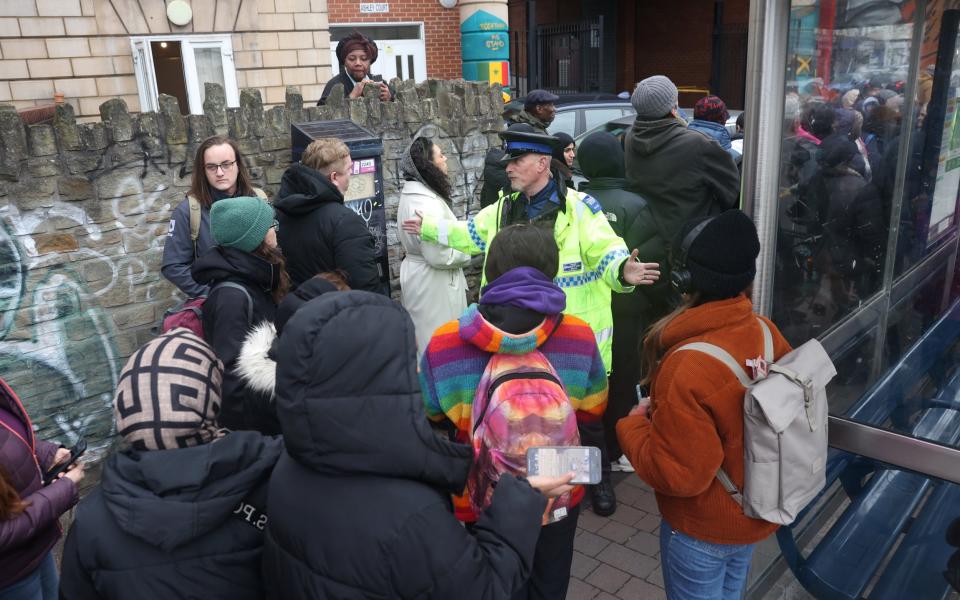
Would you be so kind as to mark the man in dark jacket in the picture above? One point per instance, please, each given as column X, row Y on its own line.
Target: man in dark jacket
column 682, row 174
column 180, row 511
column 318, row 233
column 360, row 501
column 601, row 160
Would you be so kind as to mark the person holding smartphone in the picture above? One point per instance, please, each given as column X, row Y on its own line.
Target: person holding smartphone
column 29, row 511
column 357, row 53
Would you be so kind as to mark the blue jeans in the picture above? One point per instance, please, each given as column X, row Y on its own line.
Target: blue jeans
column 42, row 584
column 698, row 570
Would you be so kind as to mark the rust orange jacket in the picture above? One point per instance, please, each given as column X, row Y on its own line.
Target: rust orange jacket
column 696, row 423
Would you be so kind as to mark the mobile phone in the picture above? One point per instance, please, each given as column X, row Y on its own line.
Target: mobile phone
column 554, row 461
column 75, row 453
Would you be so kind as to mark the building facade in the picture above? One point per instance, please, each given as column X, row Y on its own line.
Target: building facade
column 609, row 45
column 90, row 51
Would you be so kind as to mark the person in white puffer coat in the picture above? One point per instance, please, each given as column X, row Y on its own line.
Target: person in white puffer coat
column 433, row 288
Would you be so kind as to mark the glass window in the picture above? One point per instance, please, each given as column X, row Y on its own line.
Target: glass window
column 565, row 121
column 377, row 32
column 182, row 67
column 599, row 116
column 846, row 72
column 928, row 213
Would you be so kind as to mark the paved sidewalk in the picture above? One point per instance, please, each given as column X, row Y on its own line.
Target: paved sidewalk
column 618, row 557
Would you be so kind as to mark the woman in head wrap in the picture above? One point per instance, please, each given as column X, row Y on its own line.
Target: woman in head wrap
column 356, row 52
column 432, row 286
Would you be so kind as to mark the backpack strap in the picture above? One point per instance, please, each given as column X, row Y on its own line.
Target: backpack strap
column 260, row 194
column 237, row 286
column 195, row 219
column 767, row 341
column 729, row 486
column 723, row 356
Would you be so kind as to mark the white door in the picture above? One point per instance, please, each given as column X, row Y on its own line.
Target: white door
column 406, row 58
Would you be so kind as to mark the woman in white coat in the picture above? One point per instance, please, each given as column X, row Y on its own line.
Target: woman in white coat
column 432, row 286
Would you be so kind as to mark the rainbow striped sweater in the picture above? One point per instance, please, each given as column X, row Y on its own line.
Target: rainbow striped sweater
column 455, row 358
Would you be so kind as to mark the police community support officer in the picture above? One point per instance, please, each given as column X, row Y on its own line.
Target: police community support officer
column 593, row 260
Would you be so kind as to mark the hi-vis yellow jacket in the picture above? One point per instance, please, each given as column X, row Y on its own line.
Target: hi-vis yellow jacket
column 590, row 256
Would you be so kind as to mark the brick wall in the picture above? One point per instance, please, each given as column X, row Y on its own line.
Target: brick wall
column 441, row 29
column 82, row 49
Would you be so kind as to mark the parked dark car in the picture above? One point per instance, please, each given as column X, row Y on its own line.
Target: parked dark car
column 577, row 113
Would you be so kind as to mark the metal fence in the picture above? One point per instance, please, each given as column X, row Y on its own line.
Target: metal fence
column 568, row 58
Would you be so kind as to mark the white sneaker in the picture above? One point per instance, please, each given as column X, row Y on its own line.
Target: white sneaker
column 621, row 465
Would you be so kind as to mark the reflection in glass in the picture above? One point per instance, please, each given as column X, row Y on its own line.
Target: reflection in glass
column 846, row 73
column 932, row 180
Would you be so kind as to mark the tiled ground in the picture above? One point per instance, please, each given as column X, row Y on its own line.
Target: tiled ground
column 619, row 557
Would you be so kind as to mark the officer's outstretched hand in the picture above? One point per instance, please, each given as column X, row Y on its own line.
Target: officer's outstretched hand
column 412, row 226
column 636, row 272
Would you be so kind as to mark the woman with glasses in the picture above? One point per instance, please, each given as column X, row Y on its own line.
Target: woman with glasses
column 247, row 278
column 218, row 172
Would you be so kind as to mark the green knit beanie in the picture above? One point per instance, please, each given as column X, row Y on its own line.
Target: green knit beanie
column 241, row 222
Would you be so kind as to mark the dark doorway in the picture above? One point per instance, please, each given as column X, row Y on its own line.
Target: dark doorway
column 168, row 68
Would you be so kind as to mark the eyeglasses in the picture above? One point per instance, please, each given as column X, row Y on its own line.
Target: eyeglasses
column 224, row 166
column 276, row 225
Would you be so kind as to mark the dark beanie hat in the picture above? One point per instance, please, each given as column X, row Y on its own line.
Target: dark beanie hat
column 722, row 259
column 601, row 155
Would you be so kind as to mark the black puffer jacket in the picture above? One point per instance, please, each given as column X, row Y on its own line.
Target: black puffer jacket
column 183, row 523
column 360, row 501
column 851, row 213
column 318, row 233
column 494, row 177
column 683, row 174
column 226, row 321
column 601, row 160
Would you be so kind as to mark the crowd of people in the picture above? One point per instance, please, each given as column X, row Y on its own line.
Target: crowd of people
column 320, row 440
column 839, row 153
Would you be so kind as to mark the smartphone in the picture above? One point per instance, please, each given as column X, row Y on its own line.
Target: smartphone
column 75, row 453
column 554, row 461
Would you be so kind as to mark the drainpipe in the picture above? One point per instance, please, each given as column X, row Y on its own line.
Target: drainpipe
column 485, row 41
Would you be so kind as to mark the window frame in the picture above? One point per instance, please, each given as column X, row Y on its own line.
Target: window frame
column 146, row 73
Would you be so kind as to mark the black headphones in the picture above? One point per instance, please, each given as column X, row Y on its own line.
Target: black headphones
column 680, row 277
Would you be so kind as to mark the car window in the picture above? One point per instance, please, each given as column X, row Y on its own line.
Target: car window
column 599, row 116
column 565, row 121
column 629, row 111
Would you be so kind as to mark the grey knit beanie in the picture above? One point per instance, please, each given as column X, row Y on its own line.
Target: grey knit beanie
column 654, row 97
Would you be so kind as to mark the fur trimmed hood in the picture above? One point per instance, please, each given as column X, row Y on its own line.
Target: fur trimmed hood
column 256, row 368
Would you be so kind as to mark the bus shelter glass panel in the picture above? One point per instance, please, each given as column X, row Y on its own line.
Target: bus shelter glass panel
column 846, row 75
column 928, row 217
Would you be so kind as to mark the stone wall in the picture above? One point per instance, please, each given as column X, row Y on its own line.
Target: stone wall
column 84, row 210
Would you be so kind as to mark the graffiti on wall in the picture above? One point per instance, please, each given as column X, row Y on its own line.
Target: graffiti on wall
column 62, row 267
